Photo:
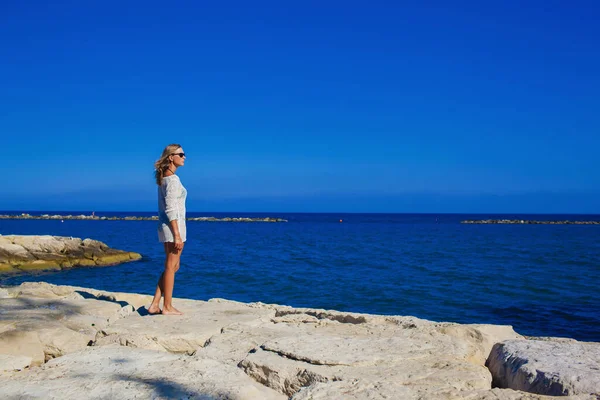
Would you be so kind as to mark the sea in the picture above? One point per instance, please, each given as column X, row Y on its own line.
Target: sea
column 541, row 279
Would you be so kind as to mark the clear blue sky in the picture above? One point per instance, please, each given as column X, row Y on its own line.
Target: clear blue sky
column 424, row 106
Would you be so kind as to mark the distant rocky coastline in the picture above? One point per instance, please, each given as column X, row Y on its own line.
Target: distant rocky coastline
column 527, row 222
column 137, row 218
column 30, row 253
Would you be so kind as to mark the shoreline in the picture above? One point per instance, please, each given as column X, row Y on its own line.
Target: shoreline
column 49, row 254
column 63, row 336
column 35, row 253
column 93, row 217
column 527, row 222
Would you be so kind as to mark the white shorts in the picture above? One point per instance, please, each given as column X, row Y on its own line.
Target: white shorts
column 165, row 234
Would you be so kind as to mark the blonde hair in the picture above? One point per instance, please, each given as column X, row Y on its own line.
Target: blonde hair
column 163, row 163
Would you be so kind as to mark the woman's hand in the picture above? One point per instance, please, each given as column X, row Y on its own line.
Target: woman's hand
column 178, row 244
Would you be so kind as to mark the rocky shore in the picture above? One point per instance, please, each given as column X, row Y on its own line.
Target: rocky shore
column 522, row 221
column 25, row 253
column 134, row 218
column 71, row 342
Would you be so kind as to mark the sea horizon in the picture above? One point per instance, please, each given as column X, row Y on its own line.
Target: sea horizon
column 295, row 212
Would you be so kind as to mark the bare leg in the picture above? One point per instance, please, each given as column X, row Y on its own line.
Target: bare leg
column 155, row 306
column 171, row 266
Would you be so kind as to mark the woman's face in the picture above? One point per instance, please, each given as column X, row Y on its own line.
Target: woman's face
column 178, row 157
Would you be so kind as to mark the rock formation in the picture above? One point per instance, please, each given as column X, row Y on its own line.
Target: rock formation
column 70, row 343
column 33, row 253
column 137, row 218
column 550, row 366
column 527, row 222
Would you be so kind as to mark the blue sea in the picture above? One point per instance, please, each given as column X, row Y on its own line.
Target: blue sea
column 541, row 279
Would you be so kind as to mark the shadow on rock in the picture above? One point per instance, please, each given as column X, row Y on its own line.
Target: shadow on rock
column 36, row 308
column 101, row 297
column 165, row 389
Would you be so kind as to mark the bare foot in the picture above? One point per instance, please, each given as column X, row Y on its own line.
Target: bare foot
column 171, row 311
column 154, row 310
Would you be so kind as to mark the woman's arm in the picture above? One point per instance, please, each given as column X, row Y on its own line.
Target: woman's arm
column 176, row 235
column 172, row 192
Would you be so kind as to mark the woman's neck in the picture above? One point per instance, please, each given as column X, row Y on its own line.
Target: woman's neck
column 170, row 171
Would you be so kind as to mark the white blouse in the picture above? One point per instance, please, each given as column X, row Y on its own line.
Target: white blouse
column 171, row 206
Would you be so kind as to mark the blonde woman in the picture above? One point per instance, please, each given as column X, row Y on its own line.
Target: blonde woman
column 171, row 224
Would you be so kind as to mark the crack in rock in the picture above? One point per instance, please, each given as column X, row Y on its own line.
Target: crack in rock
column 307, row 360
column 285, row 376
column 322, row 314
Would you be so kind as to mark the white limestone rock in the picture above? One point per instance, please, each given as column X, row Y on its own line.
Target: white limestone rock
column 34, row 252
column 285, row 375
column 481, row 338
column 367, row 390
column 116, row 372
column 22, row 343
column 43, row 321
column 555, row 368
column 14, row 363
column 97, row 346
column 180, row 334
column 41, row 244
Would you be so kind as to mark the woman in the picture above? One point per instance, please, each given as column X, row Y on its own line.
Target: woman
column 171, row 225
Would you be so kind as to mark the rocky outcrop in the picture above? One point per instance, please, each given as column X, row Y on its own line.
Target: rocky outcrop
column 236, row 219
column 125, row 373
column 135, row 218
column 527, row 222
column 70, row 342
column 550, row 367
column 34, row 253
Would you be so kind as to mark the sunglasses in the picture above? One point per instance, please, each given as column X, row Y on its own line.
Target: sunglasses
column 179, row 154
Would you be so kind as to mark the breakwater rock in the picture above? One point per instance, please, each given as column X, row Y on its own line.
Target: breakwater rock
column 72, row 342
column 35, row 253
column 529, row 222
column 553, row 366
column 134, row 218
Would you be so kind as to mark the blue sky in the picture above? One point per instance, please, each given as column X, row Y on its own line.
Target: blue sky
column 312, row 106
